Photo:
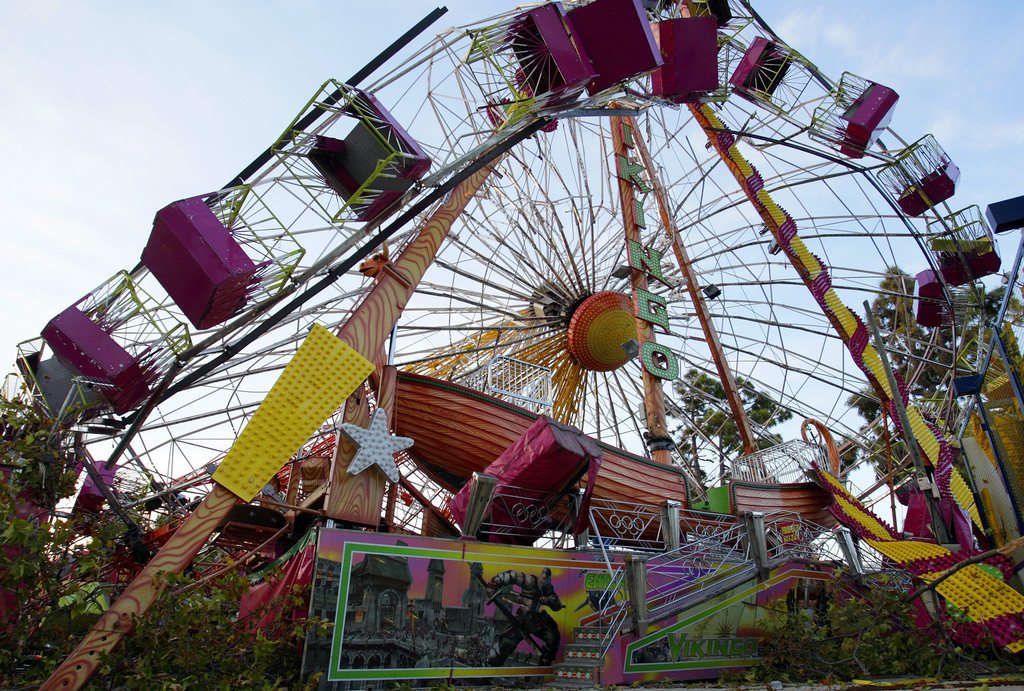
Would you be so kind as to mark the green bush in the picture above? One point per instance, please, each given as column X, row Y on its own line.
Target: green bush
column 34, row 550
column 193, row 639
column 52, row 581
column 859, row 632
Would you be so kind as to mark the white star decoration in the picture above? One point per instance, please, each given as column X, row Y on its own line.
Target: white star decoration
column 376, row 446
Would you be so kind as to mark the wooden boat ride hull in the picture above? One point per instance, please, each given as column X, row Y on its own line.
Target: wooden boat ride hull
column 458, row 431
column 804, row 498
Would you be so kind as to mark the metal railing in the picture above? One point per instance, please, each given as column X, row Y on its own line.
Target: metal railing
column 715, row 557
column 528, row 513
column 696, row 525
column 782, row 464
column 790, row 536
column 693, row 569
column 626, row 525
column 524, row 383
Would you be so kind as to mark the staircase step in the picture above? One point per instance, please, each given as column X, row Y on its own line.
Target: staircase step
column 578, row 651
column 589, row 633
column 576, row 674
column 557, row 683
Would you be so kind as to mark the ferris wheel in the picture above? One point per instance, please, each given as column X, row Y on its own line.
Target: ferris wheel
column 530, row 297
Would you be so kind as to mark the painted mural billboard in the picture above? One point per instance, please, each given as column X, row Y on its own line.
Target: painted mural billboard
column 414, row 608
column 423, row 610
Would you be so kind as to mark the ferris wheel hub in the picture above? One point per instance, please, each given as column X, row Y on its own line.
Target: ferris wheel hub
column 599, row 328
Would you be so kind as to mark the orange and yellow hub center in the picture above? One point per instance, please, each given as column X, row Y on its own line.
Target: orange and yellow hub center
column 598, row 328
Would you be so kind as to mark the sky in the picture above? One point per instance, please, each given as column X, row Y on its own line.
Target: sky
column 110, row 110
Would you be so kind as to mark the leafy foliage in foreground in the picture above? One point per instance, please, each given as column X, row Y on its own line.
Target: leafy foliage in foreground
column 191, row 638
column 34, row 549
column 859, row 633
column 54, row 584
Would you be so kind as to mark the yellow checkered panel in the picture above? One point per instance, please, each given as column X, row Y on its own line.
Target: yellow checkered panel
column 962, row 493
column 904, row 551
column 864, row 519
column 322, row 374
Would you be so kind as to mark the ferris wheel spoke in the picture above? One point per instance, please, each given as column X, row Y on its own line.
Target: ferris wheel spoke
column 559, row 266
column 569, row 258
